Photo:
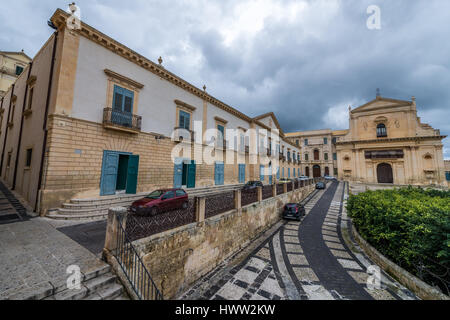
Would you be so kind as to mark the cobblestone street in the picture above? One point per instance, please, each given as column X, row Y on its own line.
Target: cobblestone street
column 307, row 260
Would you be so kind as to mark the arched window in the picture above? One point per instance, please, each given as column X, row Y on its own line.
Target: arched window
column 381, row 131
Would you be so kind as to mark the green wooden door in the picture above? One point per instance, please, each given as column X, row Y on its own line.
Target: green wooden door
column 192, row 170
column 133, row 168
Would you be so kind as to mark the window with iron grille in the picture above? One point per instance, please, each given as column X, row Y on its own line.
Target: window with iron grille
column 19, row 70
column 381, row 131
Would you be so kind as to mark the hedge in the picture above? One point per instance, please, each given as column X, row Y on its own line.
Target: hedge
column 410, row 226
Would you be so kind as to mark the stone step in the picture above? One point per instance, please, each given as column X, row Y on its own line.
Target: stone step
column 97, row 283
column 101, row 287
column 111, row 292
column 93, row 217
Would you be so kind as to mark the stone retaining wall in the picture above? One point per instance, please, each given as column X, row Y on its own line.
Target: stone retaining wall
column 179, row 257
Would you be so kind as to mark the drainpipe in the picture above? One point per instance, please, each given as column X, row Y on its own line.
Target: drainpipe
column 6, row 129
column 21, row 129
column 44, row 126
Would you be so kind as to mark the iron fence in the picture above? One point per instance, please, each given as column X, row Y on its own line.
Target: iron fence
column 289, row 187
column 267, row 192
column 248, row 197
column 139, row 227
column 433, row 273
column 219, row 203
column 280, row 188
column 133, row 267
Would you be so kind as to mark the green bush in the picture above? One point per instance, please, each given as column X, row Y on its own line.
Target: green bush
column 410, row 226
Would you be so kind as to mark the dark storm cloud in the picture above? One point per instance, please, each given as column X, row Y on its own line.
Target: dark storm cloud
column 304, row 60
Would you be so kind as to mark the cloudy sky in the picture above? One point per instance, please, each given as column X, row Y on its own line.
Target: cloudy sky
column 306, row 60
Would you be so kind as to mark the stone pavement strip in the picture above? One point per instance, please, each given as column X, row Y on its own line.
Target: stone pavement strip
column 307, row 260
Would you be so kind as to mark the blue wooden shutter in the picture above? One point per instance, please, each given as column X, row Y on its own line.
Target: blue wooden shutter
column 118, row 98
column 261, row 173
column 132, row 174
column 128, row 101
column 242, row 173
column 178, row 174
column 219, row 174
column 192, row 171
column 270, row 174
column 109, row 173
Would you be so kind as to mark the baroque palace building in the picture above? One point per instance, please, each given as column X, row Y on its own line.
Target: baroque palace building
column 319, row 155
column 388, row 143
column 88, row 117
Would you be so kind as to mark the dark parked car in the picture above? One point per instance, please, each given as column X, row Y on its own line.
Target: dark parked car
column 161, row 201
column 294, row 211
column 320, row 185
column 252, row 185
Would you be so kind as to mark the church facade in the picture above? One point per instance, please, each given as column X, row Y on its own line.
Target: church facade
column 387, row 143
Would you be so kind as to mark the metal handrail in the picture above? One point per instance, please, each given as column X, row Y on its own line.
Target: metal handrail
column 139, row 277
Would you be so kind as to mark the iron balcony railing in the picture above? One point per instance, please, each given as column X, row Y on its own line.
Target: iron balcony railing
column 122, row 119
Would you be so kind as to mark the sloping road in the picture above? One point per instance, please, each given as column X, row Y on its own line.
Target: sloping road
column 307, row 260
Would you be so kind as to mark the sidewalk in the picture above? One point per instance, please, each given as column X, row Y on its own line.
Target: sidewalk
column 34, row 256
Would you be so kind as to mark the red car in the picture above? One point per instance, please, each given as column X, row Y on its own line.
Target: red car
column 161, row 201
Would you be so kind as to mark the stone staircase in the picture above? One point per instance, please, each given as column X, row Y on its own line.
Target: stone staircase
column 97, row 209
column 103, row 285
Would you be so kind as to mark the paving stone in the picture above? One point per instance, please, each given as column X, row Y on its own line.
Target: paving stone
column 360, row 277
column 293, row 248
column 305, row 274
column 330, row 238
column 231, row 292
column 334, row 245
column 246, row 276
column 290, row 239
column 264, row 253
column 291, row 233
column 330, row 233
column 341, row 254
column 298, row 259
column 317, row 292
column 349, row 264
column 257, row 263
column 272, row 286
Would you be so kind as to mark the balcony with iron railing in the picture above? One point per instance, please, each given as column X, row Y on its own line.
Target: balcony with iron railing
column 122, row 121
column 183, row 135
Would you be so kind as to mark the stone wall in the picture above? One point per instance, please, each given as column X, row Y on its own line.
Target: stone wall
column 177, row 258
